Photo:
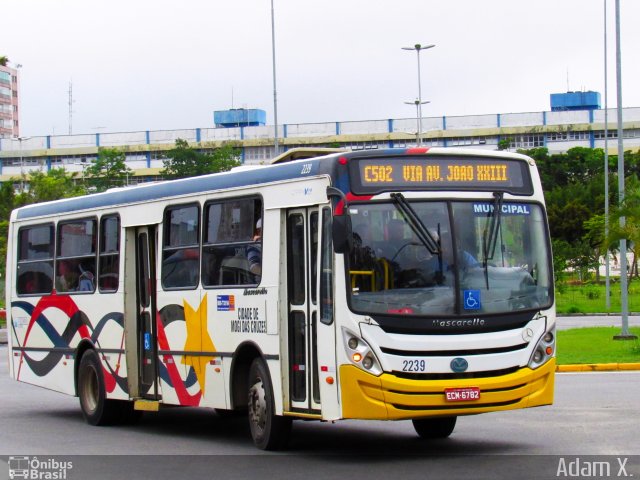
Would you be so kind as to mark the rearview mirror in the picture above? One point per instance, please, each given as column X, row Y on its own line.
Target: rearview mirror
column 342, row 234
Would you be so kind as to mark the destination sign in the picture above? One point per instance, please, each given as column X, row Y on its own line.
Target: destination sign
column 375, row 175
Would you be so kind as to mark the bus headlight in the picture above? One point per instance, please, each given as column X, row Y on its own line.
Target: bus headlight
column 545, row 349
column 360, row 353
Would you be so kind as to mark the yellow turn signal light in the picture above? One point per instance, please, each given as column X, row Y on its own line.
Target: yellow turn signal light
column 356, row 357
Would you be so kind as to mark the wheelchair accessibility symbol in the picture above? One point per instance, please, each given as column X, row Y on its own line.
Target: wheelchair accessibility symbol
column 472, row 299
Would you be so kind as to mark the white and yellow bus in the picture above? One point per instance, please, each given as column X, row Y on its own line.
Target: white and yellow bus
column 406, row 284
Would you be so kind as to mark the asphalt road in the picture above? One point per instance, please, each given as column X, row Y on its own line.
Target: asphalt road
column 594, row 414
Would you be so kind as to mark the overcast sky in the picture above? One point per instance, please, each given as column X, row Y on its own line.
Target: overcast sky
column 159, row 64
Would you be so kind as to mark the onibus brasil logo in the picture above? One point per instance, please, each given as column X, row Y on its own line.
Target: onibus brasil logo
column 38, row 469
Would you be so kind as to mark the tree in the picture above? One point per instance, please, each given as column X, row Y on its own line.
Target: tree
column 504, row 144
column 57, row 183
column 108, row 171
column 184, row 161
column 7, row 198
column 4, row 60
column 630, row 210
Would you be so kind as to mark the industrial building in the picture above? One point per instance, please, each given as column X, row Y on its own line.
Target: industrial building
column 575, row 119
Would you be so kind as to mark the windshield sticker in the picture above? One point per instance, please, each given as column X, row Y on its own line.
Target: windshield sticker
column 507, row 208
column 472, row 299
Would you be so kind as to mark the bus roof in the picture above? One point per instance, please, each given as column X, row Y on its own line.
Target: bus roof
column 284, row 169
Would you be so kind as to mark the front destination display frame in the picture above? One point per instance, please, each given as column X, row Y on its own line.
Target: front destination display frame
column 370, row 176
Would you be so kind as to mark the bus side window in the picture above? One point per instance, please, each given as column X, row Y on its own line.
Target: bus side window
column 181, row 247
column 76, row 255
column 35, row 260
column 326, row 268
column 109, row 254
column 232, row 247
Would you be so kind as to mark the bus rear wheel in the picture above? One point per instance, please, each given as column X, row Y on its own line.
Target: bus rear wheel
column 96, row 408
column 268, row 430
column 433, row 428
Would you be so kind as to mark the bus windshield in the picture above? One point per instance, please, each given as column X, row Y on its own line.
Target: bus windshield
column 393, row 270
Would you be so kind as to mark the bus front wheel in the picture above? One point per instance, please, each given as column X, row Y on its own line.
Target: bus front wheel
column 268, row 430
column 432, row 428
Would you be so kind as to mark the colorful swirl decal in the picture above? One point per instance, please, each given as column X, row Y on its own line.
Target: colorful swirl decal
column 78, row 324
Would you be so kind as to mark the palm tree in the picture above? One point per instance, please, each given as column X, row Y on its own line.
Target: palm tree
column 4, row 60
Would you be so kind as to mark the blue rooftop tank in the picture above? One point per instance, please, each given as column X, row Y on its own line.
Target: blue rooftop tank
column 239, row 117
column 575, row 101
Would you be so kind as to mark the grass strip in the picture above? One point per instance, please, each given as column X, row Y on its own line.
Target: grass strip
column 592, row 298
column 596, row 345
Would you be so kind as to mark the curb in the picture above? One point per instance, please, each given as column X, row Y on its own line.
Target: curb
column 598, row 367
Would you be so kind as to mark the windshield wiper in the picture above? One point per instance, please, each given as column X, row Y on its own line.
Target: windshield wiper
column 490, row 237
column 423, row 234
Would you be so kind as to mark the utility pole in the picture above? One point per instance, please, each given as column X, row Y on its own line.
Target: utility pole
column 275, row 94
column 606, row 165
column 624, row 298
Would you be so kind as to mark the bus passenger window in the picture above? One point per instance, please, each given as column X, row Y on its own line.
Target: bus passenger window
column 181, row 247
column 109, row 255
column 35, row 260
column 76, row 256
column 232, row 247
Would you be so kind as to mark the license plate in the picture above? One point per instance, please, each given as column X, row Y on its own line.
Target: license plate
column 462, row 394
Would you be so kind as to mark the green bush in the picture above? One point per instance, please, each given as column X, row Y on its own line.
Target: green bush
column 573, row 309
column 592, row 293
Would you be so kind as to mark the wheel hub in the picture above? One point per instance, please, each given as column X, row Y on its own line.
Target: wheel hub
column 257, row 406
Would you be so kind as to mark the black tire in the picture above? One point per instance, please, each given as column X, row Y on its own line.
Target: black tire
column 268, row 430
column 437, row 427
column 96, row 408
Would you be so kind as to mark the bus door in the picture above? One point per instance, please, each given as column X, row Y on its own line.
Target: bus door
column 146, row 311
column 303, row 236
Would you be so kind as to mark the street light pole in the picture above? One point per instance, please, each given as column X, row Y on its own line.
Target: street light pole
column 418, row 48
column 624, row 300
column 606, row 165
column 418, row 104
column 275, row 95
column 20, row 139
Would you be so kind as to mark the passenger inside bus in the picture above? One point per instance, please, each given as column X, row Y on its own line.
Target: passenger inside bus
column 67, row 278
column 254, row 252
column 74, row 277
column 85, row 283
column 435, row 268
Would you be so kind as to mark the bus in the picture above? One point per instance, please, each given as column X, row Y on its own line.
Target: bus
column 399, row 284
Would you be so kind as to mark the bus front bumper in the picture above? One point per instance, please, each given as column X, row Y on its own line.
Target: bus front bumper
column 387, row 397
